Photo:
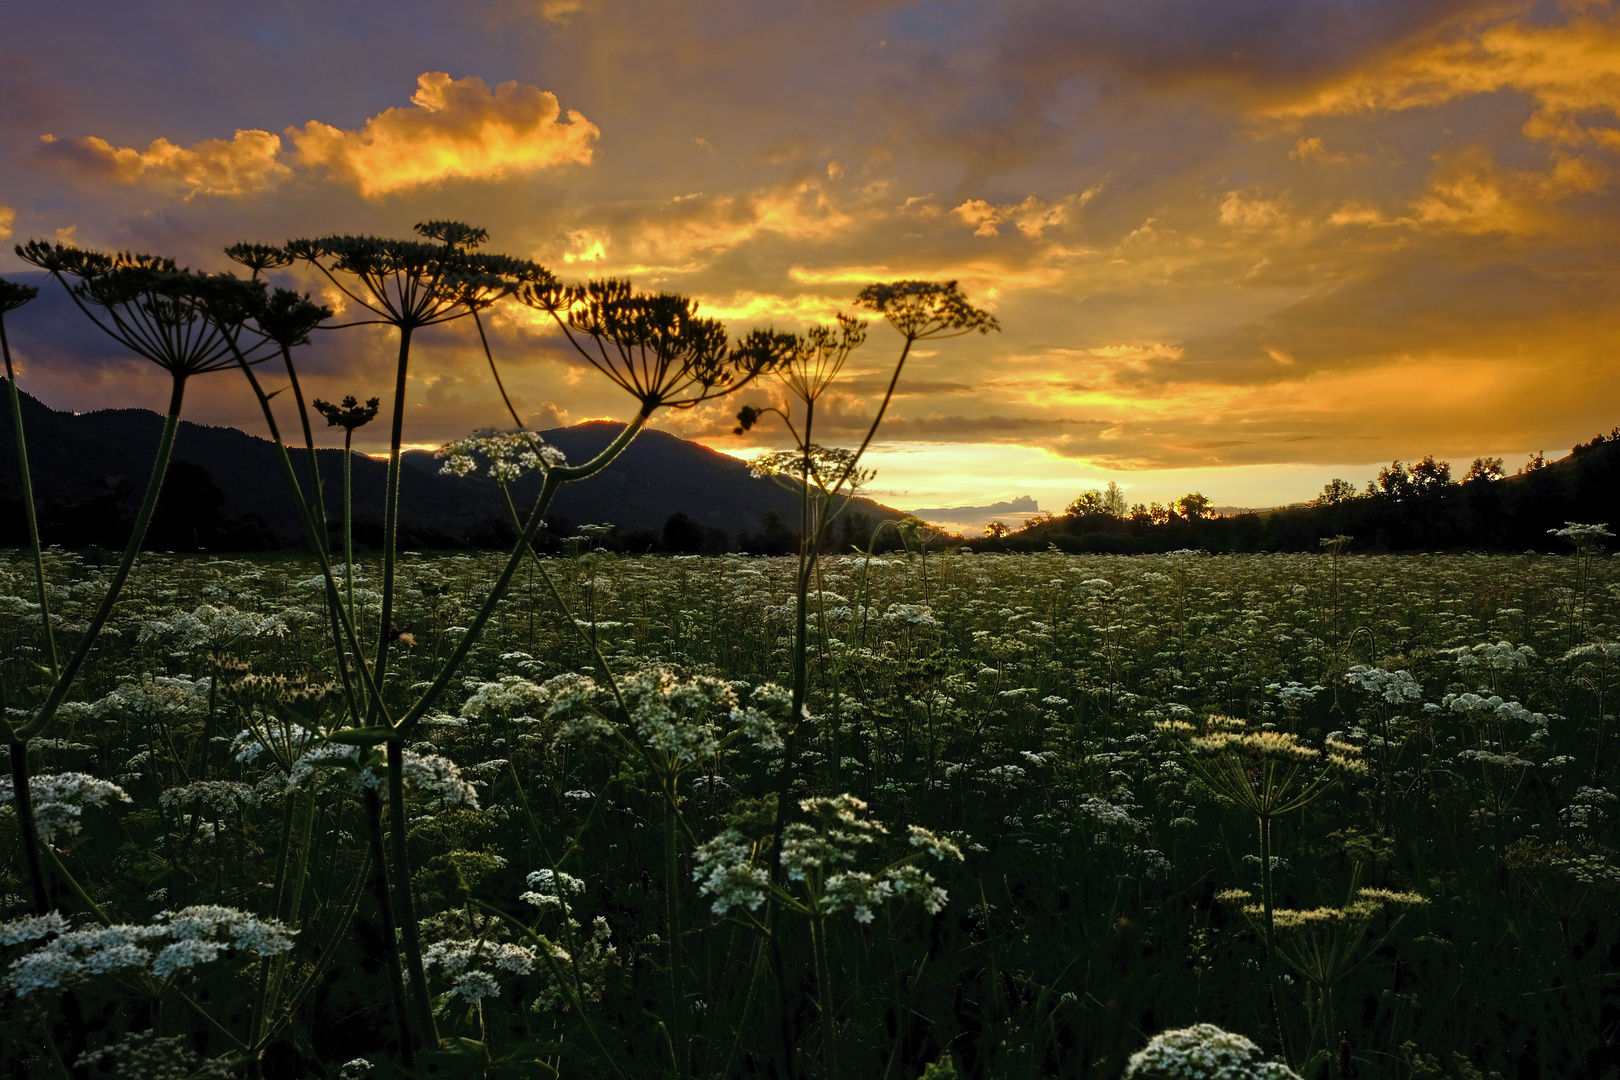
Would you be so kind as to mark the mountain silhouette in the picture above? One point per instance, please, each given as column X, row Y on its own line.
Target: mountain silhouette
column 226, row 490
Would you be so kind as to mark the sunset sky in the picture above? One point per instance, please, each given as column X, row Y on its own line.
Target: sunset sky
column 1239, row 247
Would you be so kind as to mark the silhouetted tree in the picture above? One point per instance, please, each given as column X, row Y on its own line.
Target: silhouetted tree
column 774, row 537
column 102, row 520
column 188, row 510
column 682, row 535
column 1193, row 506
column 1429, row 475
column 1335, row 492
column 1394, row 483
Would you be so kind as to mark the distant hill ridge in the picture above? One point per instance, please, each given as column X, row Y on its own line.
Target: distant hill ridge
column 1022, row 504
column 90, row 468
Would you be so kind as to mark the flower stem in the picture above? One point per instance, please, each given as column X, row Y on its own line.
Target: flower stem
column 391, row 512
column 27, row 484
column 385, row 907
column 402, row 888
column 154, row 484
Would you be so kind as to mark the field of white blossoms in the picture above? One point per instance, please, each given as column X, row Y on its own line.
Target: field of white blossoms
column 1043, row 810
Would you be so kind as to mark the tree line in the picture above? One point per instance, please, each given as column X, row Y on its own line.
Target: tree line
column 1406, row 507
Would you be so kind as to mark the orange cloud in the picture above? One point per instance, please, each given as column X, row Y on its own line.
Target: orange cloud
column 1470, row 193
column 1570, row 71
column 243, row 166
column 561, row 11
column 799, row 210
column 1312, row 150
column 1031, row 217
column 1253, row 214
column 454, row 128
column 8, row 217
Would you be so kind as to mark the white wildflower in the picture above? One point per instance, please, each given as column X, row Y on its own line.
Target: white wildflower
column 58, row 800
column 1203, row 1052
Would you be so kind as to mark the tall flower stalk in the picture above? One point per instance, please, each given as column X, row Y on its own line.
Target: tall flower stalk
column 348, row 415
column 12, row 297
column 154, row 309
column 1268, row 774
column 408, row 285
column 916, row 310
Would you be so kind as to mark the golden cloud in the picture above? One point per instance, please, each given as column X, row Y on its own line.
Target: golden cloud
column 1253, row 213
column 1312, row 149
column 753, row 307
column 1031, row 217
column 8, row 217
column 561, row 11
column 243, row 166
column 1570, row 71
column 984, row 281
column 1470, row 193
column 800, row 210
column 454, row 128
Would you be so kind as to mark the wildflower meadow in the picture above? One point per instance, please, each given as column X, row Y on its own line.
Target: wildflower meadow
column 900, row 812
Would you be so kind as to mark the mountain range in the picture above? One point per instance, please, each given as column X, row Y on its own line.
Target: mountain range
column 225, row 490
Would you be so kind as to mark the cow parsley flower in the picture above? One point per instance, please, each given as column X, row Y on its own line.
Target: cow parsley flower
column 59, row 799
column 551, row 889
column 219, row 796
column 1395, row 687
column 209, row 626
column 725, row 866
column 1203, row 1052
column 173, row 942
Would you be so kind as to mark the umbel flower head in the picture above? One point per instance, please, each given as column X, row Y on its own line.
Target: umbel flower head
column 827, row 465
column 414, row 283
column 173, row 942
column 349, row 414
column 1584, row 537
column 511, row 455
column 259, row 257
column 920, row 309
column 1263, row 771
column 654, row 346
column 1359, row 910
column 287, row 318
column 14, row 295
column 184, row 322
